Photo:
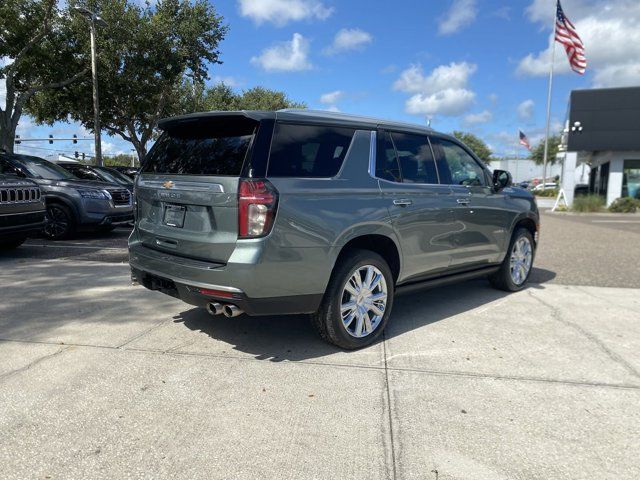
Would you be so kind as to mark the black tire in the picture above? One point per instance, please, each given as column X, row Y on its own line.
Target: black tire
column 502, row 279
column 61, row 222
column 328, row 319
column 12, row 244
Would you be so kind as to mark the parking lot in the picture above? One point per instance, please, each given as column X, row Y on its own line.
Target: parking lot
column 101, row 379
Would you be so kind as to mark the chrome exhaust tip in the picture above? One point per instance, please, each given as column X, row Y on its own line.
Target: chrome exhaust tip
column 214, row 308
column 231, row 311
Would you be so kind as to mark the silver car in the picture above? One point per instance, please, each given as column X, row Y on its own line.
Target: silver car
column 321, row 213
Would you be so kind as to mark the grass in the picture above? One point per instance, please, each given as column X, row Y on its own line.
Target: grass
column 588, row 204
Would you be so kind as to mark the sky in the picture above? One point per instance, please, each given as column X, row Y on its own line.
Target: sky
column 474, row 65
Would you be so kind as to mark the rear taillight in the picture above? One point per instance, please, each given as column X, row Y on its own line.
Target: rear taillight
column 257, row 202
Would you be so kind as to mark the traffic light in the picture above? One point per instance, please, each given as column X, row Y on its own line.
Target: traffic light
column 83, row 156
column 75, row 138
column 18, row 140
column 77, row 154
column 50, row 139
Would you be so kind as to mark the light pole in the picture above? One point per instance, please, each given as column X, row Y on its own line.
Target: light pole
column 93, row 19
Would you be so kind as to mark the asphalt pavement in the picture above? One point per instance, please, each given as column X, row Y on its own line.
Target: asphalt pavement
column 101, row 379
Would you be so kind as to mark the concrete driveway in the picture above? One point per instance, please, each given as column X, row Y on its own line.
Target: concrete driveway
column 99, row 379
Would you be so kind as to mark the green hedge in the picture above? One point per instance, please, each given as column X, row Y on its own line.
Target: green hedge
column 588, row 203
column 547, row 192
column 624, row 205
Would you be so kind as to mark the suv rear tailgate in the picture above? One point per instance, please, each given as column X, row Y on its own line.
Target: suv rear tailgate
column 191, row 217
column 187, row 202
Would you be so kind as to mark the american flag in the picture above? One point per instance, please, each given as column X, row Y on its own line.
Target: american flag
column 566, row 35
column 524, row 141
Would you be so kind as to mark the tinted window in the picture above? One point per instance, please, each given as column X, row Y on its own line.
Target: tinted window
column 84, row 173
column 200, row 149
column 40, row 168
column 308, row 151
column 386, row 160
column 462, row 166
column 415, row 157
column 114, row 175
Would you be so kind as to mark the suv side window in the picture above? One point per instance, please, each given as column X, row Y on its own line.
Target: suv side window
column 416, row 160
column 464, row 169
column 387, row 167
column 308, row 150
column 84, row 173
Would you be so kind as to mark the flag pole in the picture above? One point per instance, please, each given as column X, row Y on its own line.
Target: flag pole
column 546, row 137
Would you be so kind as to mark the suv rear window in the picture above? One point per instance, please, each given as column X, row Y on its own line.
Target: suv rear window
column 308, row 150
column 201, row 148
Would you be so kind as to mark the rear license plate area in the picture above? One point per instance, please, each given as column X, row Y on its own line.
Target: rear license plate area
column 174, row 215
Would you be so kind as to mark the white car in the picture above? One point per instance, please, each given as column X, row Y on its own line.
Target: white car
column 547, row 186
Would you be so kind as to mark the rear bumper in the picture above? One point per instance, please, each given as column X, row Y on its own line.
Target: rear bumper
column 254, row 281
column 194, row 295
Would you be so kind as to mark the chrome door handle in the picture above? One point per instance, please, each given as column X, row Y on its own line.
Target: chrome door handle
column 463, row 201
column 403, row 202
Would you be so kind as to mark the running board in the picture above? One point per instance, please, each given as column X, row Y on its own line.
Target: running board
column 445, row 280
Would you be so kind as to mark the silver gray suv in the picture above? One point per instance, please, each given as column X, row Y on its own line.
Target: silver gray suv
column 321, row 213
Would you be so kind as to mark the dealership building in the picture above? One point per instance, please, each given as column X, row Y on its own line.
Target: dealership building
column 603, row 132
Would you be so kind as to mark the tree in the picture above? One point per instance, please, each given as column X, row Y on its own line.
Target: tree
column 537, row 154
column 260, row 98
column 196, row 98
column 38, row 53
column 475, row 144
column 146, row 54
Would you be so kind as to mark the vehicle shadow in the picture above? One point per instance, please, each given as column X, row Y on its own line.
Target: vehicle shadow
column 292, row 337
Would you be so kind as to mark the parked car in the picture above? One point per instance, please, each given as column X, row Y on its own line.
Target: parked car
column 547, row 186
column 22, row 211
column 96, row 173
column 72, row 203
column 321, row 213
column 130, row 172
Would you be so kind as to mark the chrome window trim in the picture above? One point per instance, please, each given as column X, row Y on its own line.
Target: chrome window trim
column 182, row 185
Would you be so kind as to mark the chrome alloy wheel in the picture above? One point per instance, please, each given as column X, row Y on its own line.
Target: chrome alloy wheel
column 520, row 261
column 364, row 301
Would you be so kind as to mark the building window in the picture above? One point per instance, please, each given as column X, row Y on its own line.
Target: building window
column 631, row 179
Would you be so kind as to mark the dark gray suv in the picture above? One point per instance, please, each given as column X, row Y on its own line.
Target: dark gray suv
column 321, row 213
column 72, row 203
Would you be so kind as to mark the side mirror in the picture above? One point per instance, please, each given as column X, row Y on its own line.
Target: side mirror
column 501, row 179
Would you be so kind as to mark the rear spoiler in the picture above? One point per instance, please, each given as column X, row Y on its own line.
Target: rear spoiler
column 220, row 118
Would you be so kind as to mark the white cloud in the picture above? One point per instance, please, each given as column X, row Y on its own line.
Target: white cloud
column 107, row 147
column 349, row 39
column 289, row 56
column 227, row 80
column 610, row 35
column 461, row 14
column 444, row 91
column 525, row 110
column 449, row 102
column 280, row 12
column 454, row 75
column 331, row 98
column 477, row 118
